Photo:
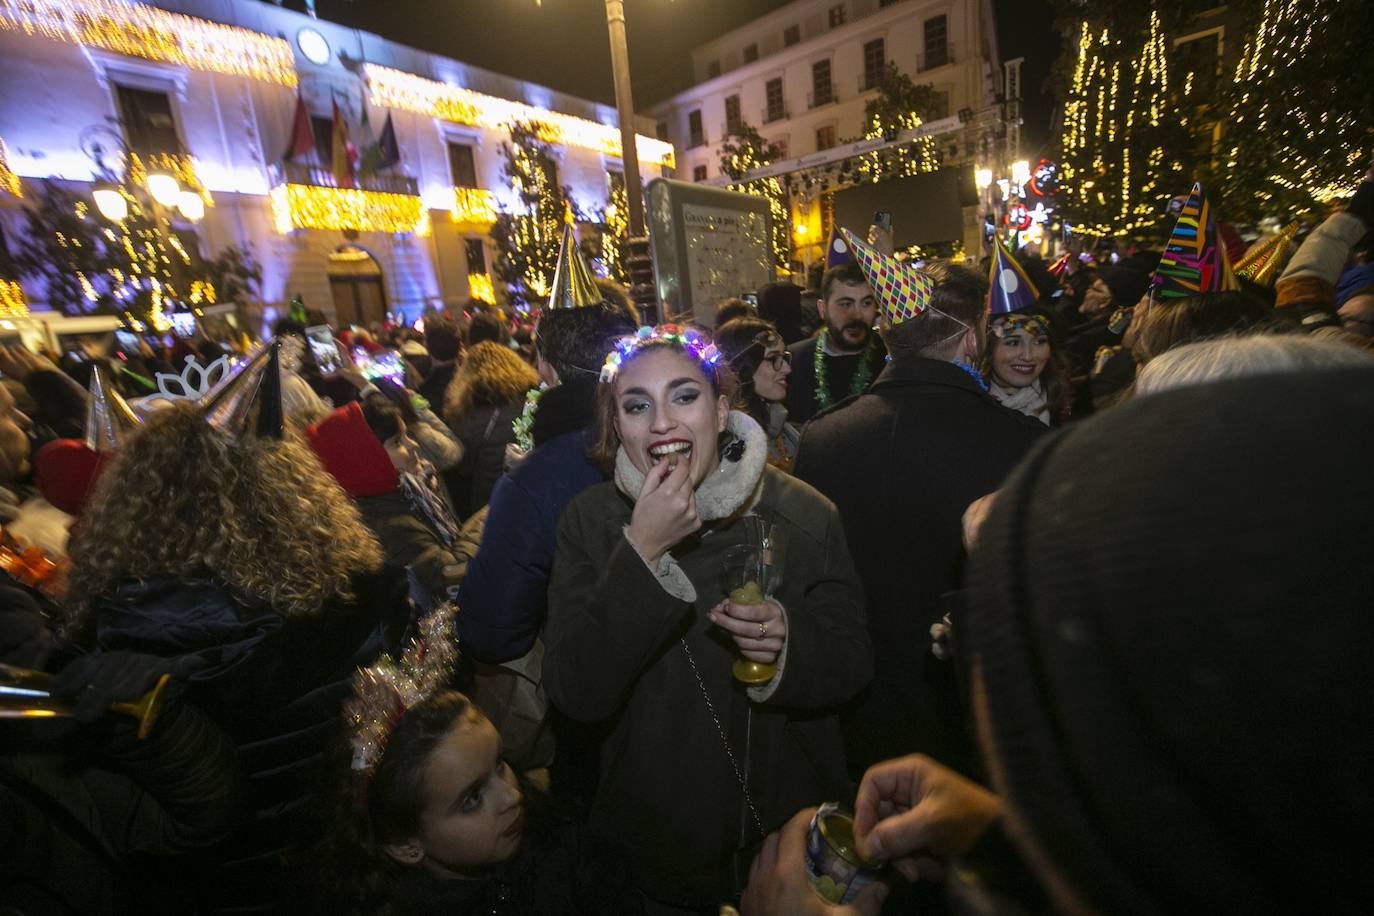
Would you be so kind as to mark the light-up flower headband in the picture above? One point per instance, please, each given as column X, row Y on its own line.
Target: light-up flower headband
column 687, row 340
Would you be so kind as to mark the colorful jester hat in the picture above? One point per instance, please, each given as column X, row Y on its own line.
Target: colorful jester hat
column 837, row 253
column 1009, row 286
column 573, row 285
column 903, row 291
column 1262, row 260
column 247, row 402
column 1194, row 260
column 109, row 418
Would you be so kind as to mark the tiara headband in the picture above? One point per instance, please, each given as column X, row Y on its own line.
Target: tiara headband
column 689, row 341
column 1002, row 325
column 383, row 692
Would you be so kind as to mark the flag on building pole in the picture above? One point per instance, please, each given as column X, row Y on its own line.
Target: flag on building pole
column 302, row 137
column 388, row 152
column 345, row 154
column 367, row 141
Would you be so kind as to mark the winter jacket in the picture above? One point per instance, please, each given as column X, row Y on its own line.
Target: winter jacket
column 902, row 463
column 275, row 684
column 436, row 383
column 839, row 374
column 485, row 433
column 504, row 596
column 632, row 648
column 1308, row 282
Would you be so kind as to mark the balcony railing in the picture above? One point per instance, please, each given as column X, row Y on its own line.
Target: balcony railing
column 320, row 176
column 729, row 128
column 824, row 97
column 933, row 61
column 868, row 82
column 696, row 140
column 775, row 114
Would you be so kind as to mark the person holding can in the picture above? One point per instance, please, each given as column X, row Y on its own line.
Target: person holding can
column 642, row 637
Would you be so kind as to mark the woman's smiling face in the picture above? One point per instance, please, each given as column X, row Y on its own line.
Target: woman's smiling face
column 666, row 410
column 1019, row 356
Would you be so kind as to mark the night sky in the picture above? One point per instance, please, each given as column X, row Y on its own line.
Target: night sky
column 564, row 45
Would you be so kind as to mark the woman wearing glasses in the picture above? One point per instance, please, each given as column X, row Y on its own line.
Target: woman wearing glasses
column 759, row 359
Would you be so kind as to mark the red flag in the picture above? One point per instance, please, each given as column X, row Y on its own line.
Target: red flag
column 345, row 154
column 302, row 137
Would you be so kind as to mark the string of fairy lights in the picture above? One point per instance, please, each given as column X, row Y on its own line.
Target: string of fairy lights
column 9, row 181
column 534, row 235
column 299, row 206
column 617, row 228
column 473, row 207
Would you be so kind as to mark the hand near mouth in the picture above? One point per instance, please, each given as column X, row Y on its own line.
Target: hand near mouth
column 665, row 511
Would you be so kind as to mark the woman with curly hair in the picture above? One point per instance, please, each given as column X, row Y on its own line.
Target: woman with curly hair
column 245, row 566
column 484, row 399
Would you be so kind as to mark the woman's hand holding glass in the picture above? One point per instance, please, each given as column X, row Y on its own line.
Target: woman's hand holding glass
column 758, row 629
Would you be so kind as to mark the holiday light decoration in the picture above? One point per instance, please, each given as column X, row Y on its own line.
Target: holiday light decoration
column 139, row 30
column 617, row 229
column 180, row 166
column 473, row 206
column 480, row 288
column 8, row 180
column 299, row 206
column 744, row 151
column 1121, row 135
column 12, row 301
column 528, row 237
column 398, row 89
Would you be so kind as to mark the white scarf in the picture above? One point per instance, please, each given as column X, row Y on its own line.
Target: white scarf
column 1030, row 400
column 731, row 489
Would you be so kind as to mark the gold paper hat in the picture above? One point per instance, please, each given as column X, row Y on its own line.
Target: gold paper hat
column 108, row 416
column 247, row 402
column 573, row 285
column 1262, row 261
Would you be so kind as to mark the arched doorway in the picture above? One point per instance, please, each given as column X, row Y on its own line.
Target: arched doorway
column 355, row 281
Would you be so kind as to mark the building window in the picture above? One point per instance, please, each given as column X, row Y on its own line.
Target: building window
column 713, row 69
column 733, row 121
column 936, row 43
column 751, row 53
column 838, row 15
column 698, row 173
column 661, row 130
column 939, row 109
column 1198, row 59
column 477, row 256
column 773, row 92
column 782, row 149
column 148, row 123
column 791, row 35
column 874, row 61
column 825, row 137
column 323, row 129
column 695, row 135
column 463, row 165
column 821, row 93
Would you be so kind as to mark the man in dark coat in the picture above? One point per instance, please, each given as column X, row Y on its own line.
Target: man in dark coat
column 442, row 340
column 851, row 355
column 902, row 463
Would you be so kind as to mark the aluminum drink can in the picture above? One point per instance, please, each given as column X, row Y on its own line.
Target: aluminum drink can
column 837, row 872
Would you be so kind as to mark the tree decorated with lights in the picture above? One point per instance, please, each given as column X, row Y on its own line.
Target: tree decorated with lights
column 1297, row 120
column 136, row 268
column 1125, row 134
column 527, row 239
column 743, row 151
column 617, row 229
column 900, row 105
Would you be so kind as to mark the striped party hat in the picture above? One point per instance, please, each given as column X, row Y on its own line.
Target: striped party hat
column 903, row 291
column 1194, row 261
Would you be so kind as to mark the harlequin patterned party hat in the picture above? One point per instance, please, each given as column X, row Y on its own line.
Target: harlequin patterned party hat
column 1009, row 287
column 1193, row 262
column 903, row 291
column 108, row 416
column 573, row 286
column 1262, row 261
column 837, row 253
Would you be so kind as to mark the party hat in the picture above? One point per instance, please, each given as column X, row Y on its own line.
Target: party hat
column 837, row 253
column 108, row 416
column 247, row 402
column 1262, row 260
column 903, row 291
column 1194, row 261
column 573, row 286
column 1009, row 286
column 1060, row 264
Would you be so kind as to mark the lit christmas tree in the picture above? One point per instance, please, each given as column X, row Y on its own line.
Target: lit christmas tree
column 527, row 240
column 743, row 151
column 1297, row 107
column 617, row 229
column 900, row 105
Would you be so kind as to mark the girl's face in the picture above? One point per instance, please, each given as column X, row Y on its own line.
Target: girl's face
column 770, row 378
column 1019, row 357
column 664, row 406
column 473, row 816
column 403, row 451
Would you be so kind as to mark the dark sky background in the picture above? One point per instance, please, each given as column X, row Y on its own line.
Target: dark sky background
column 563, row 44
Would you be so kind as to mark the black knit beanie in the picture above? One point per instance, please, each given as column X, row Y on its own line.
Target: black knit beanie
column 1173, row 617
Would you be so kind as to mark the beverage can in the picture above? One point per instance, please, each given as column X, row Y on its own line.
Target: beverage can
column 837, row 871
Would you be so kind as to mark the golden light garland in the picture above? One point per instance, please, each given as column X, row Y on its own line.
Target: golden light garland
column 139, row 30
column 398, row 89
column 180, row 166
column 8, row 180
column 481, row 289
column 12, row 301
column 298, row 206
column 473, row 206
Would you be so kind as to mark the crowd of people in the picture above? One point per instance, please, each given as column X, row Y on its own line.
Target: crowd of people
column 1045, row 570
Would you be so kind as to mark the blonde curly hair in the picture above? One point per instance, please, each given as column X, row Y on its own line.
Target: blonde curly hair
column 181, row 500
column 490, row 375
